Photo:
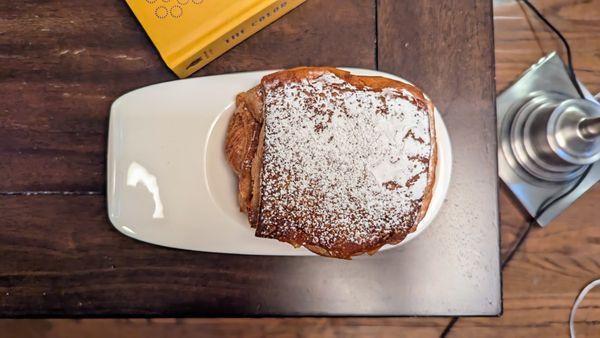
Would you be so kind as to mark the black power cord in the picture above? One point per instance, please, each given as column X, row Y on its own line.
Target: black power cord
column 552, row 200
column 570, row 68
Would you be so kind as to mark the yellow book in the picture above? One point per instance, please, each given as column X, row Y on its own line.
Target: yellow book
column 191, row 33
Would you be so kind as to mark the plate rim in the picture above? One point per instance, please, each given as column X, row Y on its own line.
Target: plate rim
column 432, row 211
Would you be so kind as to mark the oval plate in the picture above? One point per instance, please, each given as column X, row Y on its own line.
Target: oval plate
column 169, row 182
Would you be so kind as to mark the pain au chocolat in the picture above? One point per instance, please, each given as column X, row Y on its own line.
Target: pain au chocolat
column 338, row 163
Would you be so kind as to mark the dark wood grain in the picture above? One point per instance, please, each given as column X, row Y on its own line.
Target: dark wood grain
column 528, row 311
column 226, row 327
column 62, row 68
column 60, row 256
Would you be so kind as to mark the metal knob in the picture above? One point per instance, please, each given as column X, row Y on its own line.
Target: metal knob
column 574, row 130
column 590, row 128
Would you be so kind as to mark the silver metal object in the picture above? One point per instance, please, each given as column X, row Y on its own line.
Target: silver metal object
column 573, row 131
column 548, row 137
column 590, row 128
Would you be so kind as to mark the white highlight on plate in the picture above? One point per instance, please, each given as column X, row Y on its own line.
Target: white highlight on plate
column 128, row 230
column 135, row 174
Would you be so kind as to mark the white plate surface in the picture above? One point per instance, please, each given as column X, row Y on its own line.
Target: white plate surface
column 168, row 179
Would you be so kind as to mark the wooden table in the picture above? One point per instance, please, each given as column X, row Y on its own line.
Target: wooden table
column 537, row 293
column 63, row 64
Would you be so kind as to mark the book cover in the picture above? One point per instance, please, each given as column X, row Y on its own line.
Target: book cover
column 191, row 33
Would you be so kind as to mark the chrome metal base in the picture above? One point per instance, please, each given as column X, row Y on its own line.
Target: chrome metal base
column 518, row 149
column 545, row 84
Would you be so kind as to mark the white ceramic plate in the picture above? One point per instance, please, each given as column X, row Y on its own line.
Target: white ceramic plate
column 168, row 179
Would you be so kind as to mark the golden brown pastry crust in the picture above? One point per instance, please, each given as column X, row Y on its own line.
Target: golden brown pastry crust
column 244, row 149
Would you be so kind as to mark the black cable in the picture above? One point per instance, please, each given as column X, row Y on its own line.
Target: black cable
column 552, row 200
column 570, row 68
column 549, row 202
column 518, row 241
column 449, row 327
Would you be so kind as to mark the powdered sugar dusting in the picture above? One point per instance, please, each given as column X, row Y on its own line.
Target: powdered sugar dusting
column 342, row 165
